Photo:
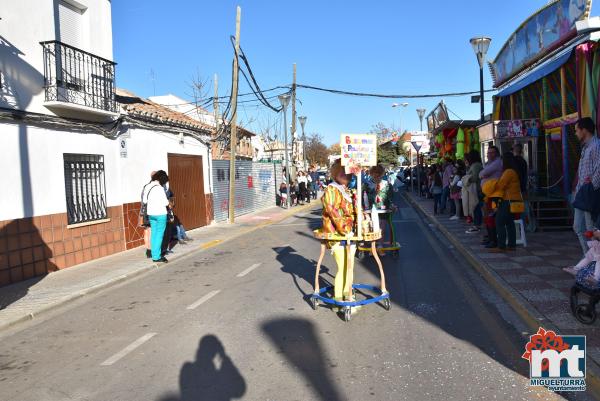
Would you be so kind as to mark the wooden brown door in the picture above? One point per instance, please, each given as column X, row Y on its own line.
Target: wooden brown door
column 186, row 180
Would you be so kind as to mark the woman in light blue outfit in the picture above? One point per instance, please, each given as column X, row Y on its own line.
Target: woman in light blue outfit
column 157, row 204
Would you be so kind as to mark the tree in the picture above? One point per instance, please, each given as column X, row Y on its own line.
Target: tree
column 387, row 152
column 316, row 151
column 335, row 149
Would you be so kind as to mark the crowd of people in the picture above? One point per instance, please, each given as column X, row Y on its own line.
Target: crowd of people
column 162, row 227
column 491, row 197
column 302, row 190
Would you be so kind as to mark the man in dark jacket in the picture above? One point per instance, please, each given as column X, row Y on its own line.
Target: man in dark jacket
column 521, row 167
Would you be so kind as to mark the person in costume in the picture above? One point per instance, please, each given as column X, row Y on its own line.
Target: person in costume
column 379, row 193
column 339, row 220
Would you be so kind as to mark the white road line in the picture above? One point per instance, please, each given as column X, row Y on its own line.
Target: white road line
column 127, row 349
column 248, row 270
column 203, row 299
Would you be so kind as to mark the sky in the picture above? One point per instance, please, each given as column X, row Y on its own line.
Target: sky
column 383, row 46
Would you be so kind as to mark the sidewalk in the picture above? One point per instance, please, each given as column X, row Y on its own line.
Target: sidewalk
column 532, row 277
column 27, row 299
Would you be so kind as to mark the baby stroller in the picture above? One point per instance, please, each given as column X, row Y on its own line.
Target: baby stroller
column 585, row 312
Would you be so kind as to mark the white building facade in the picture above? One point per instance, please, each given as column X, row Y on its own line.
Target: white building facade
column 75, row 153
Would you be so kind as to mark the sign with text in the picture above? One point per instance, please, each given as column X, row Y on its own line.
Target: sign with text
column 359, row 149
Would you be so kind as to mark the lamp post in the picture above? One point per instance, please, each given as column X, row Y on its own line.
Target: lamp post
column 285, row 100
column 480, row 47
column 421, row 114
column 302, row 120
column 417, row 146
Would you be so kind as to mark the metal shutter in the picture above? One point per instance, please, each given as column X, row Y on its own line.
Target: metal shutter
column 70, row 20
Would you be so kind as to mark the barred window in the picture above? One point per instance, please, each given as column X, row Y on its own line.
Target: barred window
column 85, row 187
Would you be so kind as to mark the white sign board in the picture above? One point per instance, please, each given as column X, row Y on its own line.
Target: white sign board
column 123, row 147
column 359, row 149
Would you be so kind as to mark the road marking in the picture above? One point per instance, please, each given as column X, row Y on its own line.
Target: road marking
column 248, row 270
column 210, row 244
column 127, row 349
column 203, row 299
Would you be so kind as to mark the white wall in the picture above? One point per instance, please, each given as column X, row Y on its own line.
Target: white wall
column 26, row 23
column 35, row 155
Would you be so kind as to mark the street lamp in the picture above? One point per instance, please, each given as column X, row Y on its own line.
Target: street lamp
column 421, row 114
column 302, row 120
column 285, row 100
column 480, row 47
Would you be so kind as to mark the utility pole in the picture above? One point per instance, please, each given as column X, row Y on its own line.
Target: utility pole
column 294, row 142
column 233, row 141
column 216, row 104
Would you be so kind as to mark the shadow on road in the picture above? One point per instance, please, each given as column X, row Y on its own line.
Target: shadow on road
column 300, row 268
column 297, row 340
column 211, row 377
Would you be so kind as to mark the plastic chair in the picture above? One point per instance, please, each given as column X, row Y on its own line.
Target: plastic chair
column 520, row 228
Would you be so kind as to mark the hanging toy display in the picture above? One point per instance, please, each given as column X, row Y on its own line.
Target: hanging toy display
column 460, row 144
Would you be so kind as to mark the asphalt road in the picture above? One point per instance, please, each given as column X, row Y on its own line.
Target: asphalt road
column 232, row 322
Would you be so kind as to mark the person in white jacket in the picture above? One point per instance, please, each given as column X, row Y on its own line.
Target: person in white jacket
column 156, row 200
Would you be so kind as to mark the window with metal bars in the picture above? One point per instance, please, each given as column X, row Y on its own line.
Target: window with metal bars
column 85, row 187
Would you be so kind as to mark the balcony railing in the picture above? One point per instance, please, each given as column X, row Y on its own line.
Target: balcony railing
column 76, row 76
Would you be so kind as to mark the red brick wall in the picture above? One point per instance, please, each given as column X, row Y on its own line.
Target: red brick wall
column 36, row 246
column 210, row 213
column 134, row 235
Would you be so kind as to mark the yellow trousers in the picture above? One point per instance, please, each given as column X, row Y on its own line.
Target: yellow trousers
column 345, row 271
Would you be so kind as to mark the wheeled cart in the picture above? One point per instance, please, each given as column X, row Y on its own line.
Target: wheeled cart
column 394, row 247
column 318, row 296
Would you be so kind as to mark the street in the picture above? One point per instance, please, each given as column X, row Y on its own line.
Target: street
column 232, row 322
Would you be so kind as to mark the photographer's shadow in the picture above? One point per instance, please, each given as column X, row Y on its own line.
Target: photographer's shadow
column 212, row 376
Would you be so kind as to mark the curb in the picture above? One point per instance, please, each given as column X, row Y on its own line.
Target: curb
column 5, row 325
column 532, row 318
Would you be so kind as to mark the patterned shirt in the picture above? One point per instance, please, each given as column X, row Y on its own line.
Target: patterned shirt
column 589, row 164
column 338, row 210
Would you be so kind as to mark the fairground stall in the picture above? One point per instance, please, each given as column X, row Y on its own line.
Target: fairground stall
column 450, row 138
column 547, row 74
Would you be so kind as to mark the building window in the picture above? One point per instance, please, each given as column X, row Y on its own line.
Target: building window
column 85, row 187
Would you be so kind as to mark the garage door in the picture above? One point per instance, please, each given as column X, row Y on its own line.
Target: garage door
column 186, row 182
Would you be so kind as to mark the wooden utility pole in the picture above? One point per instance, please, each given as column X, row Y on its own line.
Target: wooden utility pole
column 233, row 141
column 216, row 105
column 294, row 142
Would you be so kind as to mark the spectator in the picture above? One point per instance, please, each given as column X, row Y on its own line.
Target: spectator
column 157, row 203
column 447, row 173
column 509, row 189
column 302, row 187
column 472, row 185
column 492, row 170
column 283, row 194
column 588, row 172
column 143, row 223
column 521, row 166
column 436, row 188
column 456, row 189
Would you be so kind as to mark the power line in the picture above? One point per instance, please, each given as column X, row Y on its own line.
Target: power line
column 349, row 93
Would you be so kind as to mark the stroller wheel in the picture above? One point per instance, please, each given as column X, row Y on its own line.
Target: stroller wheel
column 585, row 314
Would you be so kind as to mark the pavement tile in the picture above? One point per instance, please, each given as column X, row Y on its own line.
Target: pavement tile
column 521, row 278
column 528, row 258
column 489, row 255
column 542, row 270
column 502, row 265
column 565, row 320
column 562, row 284
column 542, row 295
column 532, row 286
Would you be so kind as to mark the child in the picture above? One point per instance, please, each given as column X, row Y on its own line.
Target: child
column 378, row 194
column 587, row 271
column 338, row 218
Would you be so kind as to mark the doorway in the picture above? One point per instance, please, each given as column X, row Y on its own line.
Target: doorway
column 186, row 180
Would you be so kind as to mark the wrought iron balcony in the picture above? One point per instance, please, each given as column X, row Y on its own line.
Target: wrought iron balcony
column 76, row 77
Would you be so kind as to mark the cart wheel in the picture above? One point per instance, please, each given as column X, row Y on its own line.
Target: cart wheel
column 395, row 254
column 574, row 300
column 314, row 302
column 387, row 304
column 585, row 314
column 347, row 314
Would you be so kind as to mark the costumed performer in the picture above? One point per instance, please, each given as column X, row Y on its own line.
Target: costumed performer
column 379, row 194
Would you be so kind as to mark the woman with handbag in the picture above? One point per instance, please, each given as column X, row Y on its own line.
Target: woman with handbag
column 157, row 203
column 510, row 201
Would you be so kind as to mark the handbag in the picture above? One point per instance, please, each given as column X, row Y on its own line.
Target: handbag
column 587, row 198
column 144, row 219
column 517, row 207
